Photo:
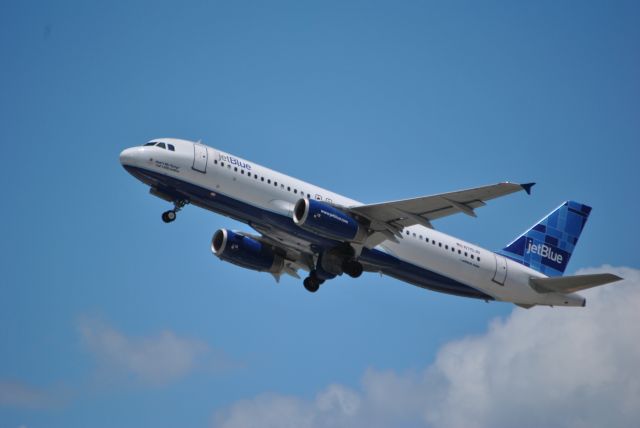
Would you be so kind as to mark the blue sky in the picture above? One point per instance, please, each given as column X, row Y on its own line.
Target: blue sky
column 112, row 318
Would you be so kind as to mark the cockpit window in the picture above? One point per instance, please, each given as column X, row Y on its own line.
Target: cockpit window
column 171, row 147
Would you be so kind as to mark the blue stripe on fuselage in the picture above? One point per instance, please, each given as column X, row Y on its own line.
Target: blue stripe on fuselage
column 250, row 214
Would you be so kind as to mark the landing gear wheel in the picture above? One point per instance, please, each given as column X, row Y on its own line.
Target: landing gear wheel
column 312, row 284
column 352, row 268
column 168, row 216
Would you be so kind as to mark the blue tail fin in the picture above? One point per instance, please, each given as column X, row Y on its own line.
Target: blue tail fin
column 548, row 245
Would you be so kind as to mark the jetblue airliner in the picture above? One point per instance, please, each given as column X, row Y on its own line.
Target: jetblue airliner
column 303, row 227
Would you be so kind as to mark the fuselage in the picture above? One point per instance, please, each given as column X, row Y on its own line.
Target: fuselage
column 265, row 199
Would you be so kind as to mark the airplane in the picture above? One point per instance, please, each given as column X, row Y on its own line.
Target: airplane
column 303, row 227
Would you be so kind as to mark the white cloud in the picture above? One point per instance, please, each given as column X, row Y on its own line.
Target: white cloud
column 335, row 406
column 20, row 395
column 559, row 367
column 159, row 359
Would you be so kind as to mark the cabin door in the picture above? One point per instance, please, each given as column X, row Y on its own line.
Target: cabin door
column 200, row 157
column 500, row 274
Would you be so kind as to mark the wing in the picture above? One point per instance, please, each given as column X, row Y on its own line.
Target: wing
column 297, row 255
column 394, row 216
column 385, row 220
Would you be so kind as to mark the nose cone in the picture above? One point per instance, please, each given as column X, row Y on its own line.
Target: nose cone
column 128, row 156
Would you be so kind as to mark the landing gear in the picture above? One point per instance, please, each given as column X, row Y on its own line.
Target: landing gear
column 312, row 282
column 169, row 216
column 330, row 264
column 352, row 268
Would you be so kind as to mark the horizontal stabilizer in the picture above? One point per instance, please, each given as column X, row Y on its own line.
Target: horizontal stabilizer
column 571, row 284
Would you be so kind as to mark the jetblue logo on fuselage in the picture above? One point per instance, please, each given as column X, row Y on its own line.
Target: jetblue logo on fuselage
column 234, row 161
column 544, row 251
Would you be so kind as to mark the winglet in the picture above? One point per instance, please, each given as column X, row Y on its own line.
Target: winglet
column 527, row 187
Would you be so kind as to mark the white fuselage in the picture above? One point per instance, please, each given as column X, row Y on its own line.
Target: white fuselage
column 224, row 174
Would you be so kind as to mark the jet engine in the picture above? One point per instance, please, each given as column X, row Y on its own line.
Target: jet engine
column 326, row 220
column 245, row 252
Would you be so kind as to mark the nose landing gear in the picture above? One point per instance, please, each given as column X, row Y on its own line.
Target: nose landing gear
column 169, row 216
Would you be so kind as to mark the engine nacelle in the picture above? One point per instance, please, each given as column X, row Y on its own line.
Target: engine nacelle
column 326, row 220
column 245, row 252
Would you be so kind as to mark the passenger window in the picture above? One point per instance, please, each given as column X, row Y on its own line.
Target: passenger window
column 261, row 178
column 222, row 164
column 275, row 183
column 465, row 254
column 446, row 247
column 295, row 190
column 173, row 149
column 407, row 233
column 256, row 176
column 235, row 168
column 215, row 162
column 471, row 256
column 439, row 244
column 459, row 252
column 161, row 145
column 269, row 181
column 478, row 258
column 414, row 235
